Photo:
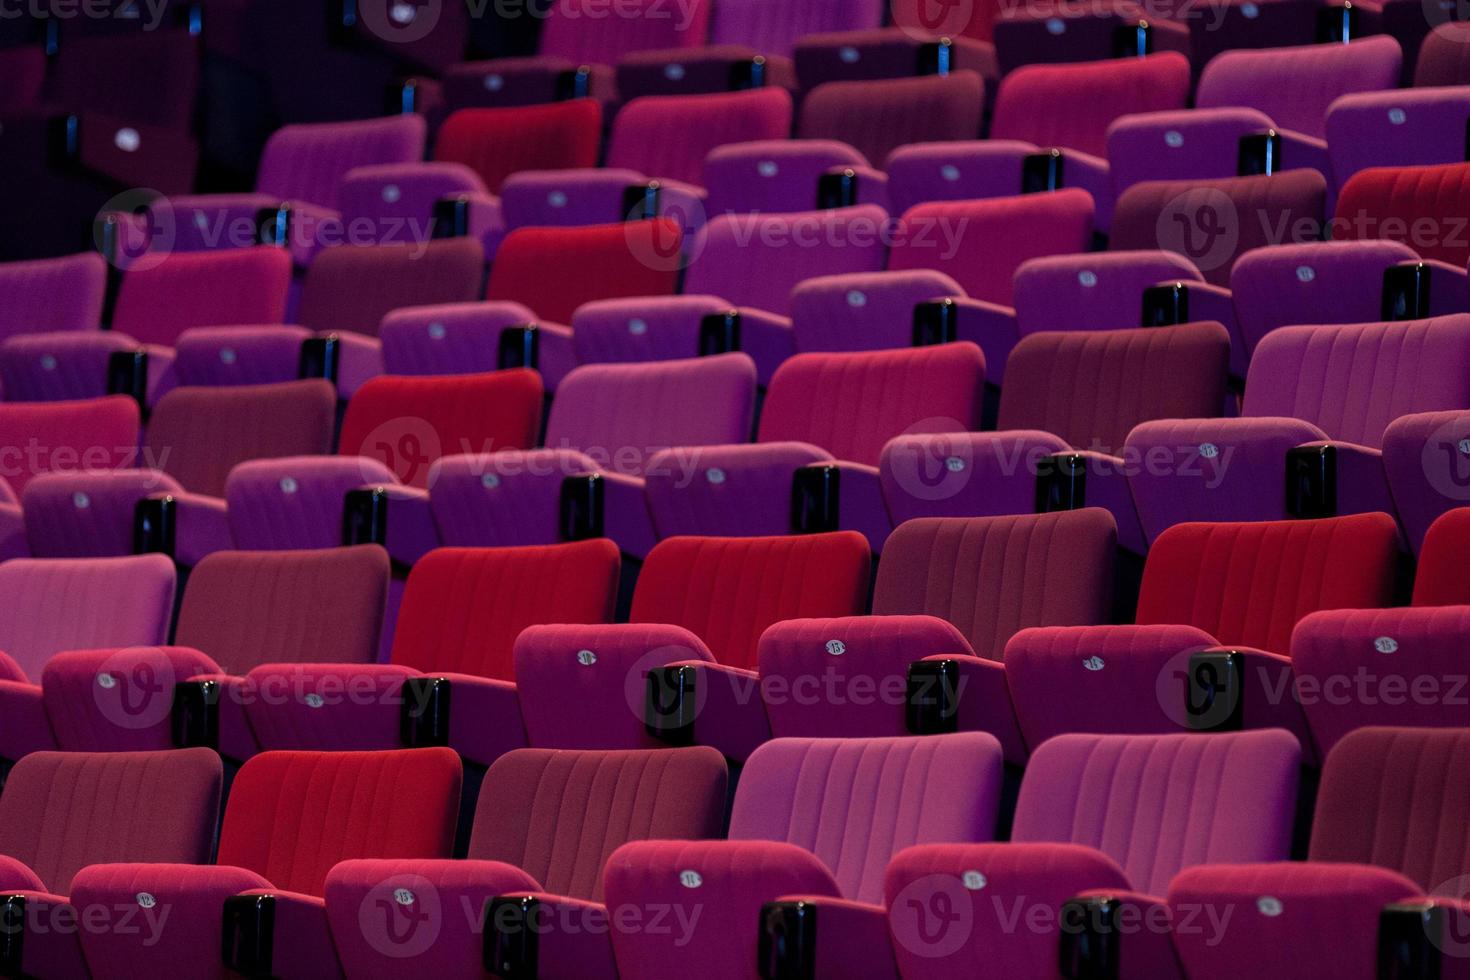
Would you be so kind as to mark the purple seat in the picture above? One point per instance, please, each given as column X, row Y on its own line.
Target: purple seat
column 800, row 804
column 655, row 328
column 290, row 818
column 1102, row 291
column 587, row 196
column 390, row 203
column 1213, row 222
column 295, row 502
column 1388, row 830
column 911, row 46
column 668, row 137
column 1422, row 455
column 1406, row 128
column 864, row 310
column 448, row 338
column 611, row 422
column 48, row 295
column 1055, row 33
column 545, row 860
column 774, row 175
column 90, row 514
column 1330, row 390
column 965, row 474
column 112, row 807
column 874, row 117
column 1087, row 804
column 1187, row 144
column 820, row 421
column 304, row 165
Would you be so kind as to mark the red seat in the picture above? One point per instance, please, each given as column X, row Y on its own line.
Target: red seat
column 496, row 143
column 1423, row 207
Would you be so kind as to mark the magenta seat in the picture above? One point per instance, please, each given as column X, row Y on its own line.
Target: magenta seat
column 772, row 175
column 861, row 311
column 48, row 295
column 668, row 137
column 875, row 117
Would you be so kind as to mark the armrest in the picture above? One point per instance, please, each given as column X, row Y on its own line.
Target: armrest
column 1177, row 301
column 1424, row 288
column 407, row 529
column 1232, row 688
column 17, row 876
column 1129, row 928
column 423, row 96
column 767, row 337
column 203, row 527
column 990, row 325
column 701, row 703
column 1331, row 479
column 841, row 495
column 1300, row 151
column 162, row 376
column 327, row 707
column 819, row 936
column 1070, row 481
column 563, row 937
column 964, row 693
column 1093, row 175
column 309, row 228
column 359, row 360
column 40, row 935
column 279, row 934
column 625, row 514
column 485, row 717
column 24, row 727
column 209, row 710
column 546, row 347
column 683, row 203
column 844, row 186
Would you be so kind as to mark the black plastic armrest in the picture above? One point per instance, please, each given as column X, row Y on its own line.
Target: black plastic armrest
column 838, row 190
column 127, row 374
column 931, row 702
column 1214, row 697
column 424, row 718
column 1259, row 154
column 575, row 84
column 156, row 525
column 787, row 944
column 273, row 225
column 583, row 507
column 194, row 718
column 1166, row 305
column 12, row 935
column 1339, row 23
column 935, row 322
column 512, row 943
column 365, row 516
column 1411, row 941
column 748, row 74
column 520, row 347
column 450, row 217
column 1061, row 483
column 1044, row 171
column 1133, row 40
column 719, row 333
column 1406, row 291
column 1089, row 946
column 642, row 202
column 815, row 495
column 669, row 705
column 248, row 933
column 320, row 357
column 1311, row 482
column 935, row 57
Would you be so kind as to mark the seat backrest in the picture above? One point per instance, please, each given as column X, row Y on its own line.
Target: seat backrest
column 1421, row 206
column 65, row 810
column 496, row 143
column 307, row 162
column 295, row 501
column 1095, row 291
column 558, row 814
column 584, row 32
column 464, row 607
column 1071, row 106
column 864, row 310
column 1318, row 282
column 224, row 287
column 667, row 137
column 247, row 608
column 621, row 414
column 352, row 287
column 52, row 294
column 1396, row 128
column 145, row 76
column 58, row 604
column 774, row 26
column 1295, row 85
column 1214, row 222
column 727, row 591
column 875, row 117
column 1444, row 57
column 555, row 270
column 407, row 423
column 856, row 802
column 852, row 404
column 293, row 815
column 1248, row 584
column 394, row 202
column 982, row 243
column 993, row 576
column 1440, row 579
column 1351, row 381
column 197, row 435
column 1158, row 804
column 1092, row 387
column 771, row 175
column 98, row 433
column 758, row 259
column 1393, row 797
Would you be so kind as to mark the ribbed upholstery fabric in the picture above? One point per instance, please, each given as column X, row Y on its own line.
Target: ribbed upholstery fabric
column 1214, row 222
column 1396, row 128
column 559, row 815
column 504, row 498
column 758, row 259
column 1393, row 797
column 76, row 604
column 227, row 287
column 852, row 404
column 1157, row 804
column 1411, row 661
column 52, row 294
column 1320, row 282
column 1072, row 106
column 295, row 501
column 646, row 328
column 981, row 244
column 464, row 607
column 728, row 590
column 1443, row 58
column 449, row 338
column 875, row 117
column 1096, row 291
column 352, row 287
column 1441, row 575
column 581, row 30
column 855, row 803
column 863, row 311
column 621, row 414
column 1248, row 584
column 668, row 137
column 246, row 608
column 1425, row 467
column 1294, row 86
column 197, row 435
column 113, row 700
column 774, row 26
column 292, row 815
column 87, row 514
column 98, row 433
column 968, row 20
column 1092, row 387
column 992, row 576
column 1392, row 202
column 68, row 364
column 65, row 810
column 407, row 423
column 1353, row 380
column 308, row 162
column 496, row 143
column 638, row 258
